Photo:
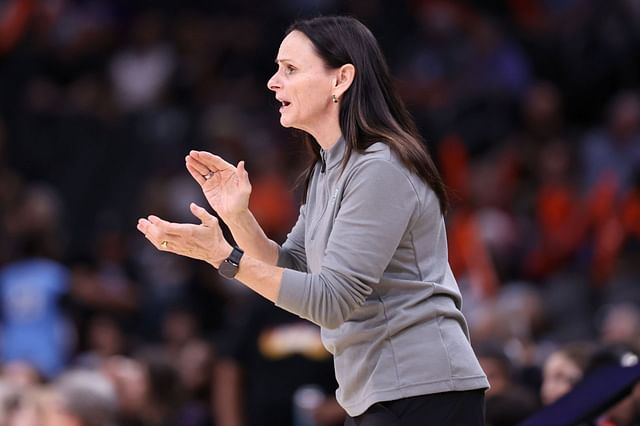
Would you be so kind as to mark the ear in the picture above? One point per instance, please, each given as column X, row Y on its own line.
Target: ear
column 344, row 77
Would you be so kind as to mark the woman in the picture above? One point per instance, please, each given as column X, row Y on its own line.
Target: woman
column 367, row 258
column 563, row 369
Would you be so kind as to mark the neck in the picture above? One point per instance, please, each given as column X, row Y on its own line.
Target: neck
column 327, row 135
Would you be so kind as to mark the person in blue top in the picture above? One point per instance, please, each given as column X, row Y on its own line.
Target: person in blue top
column 34, row 327
column 367, row 259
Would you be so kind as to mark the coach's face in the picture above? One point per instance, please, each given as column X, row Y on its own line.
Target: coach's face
column 303, row 84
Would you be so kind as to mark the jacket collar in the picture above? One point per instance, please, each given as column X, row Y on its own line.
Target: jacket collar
column 333, row 156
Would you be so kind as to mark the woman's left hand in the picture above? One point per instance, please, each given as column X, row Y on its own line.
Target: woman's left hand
column 204, row 241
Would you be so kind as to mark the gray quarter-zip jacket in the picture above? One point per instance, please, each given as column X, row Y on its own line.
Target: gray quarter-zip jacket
column 367, row 261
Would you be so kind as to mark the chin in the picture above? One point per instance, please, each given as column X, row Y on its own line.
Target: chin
column 286, row 123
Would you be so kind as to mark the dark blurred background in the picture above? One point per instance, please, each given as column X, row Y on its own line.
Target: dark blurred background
column 531, row 109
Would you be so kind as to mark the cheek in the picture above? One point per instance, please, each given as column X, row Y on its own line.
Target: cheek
column 556, row 387
column 317, row 102
column 312, row 95
column 549, row 392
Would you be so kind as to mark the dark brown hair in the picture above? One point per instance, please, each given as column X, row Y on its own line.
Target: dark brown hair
column 370, row 110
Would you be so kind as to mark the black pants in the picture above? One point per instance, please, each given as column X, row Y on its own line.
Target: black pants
column 465, row 408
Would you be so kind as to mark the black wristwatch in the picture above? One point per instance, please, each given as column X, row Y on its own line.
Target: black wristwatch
column 229, row 268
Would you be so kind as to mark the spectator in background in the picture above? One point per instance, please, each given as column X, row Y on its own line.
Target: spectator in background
column 30, row 407
column 542, row 116
column 148, row 389
column 179, row 327
column 433, row 59
column 22, row 374
column 104, row 288
column 82, row 398
column 192, row 358
column 105, row 338
column 498, row 65
column 561, row 226
column 141, row 72
column 611, row 155
column 508, row 401
column 493, row 75
column 621, row 325
column 195, row 365
column 165, row 383
column 563, row 369
column 76, row 398
column 34, row 327
column 9, row 400
column 611, row 160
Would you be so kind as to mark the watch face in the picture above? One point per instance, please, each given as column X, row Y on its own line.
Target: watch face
column 228, row 269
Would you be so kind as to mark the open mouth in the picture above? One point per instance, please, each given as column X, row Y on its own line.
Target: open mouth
column 283, row 105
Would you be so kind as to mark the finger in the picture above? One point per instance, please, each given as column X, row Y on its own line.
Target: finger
column 146, row 228
column 143, row 225
column 164, row 225
column 163, row 230
column 155, row 220
column 195, row 173
column 204, row 216
column 211, row 161
column 151, row 233
column 196, row 165
column 151, row 227
column 165, row 236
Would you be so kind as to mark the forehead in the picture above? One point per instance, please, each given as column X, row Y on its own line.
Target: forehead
column 296, row 47
column 559, row 360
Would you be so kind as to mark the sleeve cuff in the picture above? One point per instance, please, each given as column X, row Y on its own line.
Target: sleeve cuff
column 293, row 291
column 284, row 259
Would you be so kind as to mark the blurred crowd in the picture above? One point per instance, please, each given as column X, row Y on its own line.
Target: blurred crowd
column 531, row 109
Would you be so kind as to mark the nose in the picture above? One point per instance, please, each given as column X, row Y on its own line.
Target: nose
column 274, row 82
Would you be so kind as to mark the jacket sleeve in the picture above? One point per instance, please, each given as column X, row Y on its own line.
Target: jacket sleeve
column 377, row 205
column 292, row 254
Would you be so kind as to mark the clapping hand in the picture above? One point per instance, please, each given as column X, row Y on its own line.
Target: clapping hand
column 203, row 241
column 226, row 187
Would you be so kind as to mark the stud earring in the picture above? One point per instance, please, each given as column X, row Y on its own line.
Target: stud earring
column 334, row 99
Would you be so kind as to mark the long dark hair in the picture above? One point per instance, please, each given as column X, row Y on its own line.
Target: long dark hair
column 370, row 110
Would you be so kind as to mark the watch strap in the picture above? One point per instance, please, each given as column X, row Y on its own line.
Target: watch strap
column 229, row 268
column 235, row 256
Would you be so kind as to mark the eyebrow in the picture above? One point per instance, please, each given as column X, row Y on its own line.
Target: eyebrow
column 282, row 60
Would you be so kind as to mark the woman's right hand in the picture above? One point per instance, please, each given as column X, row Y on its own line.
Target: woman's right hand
column 226, row 188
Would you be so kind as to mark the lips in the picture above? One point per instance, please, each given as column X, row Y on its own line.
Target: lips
column 283, row 104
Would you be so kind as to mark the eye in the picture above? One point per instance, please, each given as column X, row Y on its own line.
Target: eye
column 289, row 69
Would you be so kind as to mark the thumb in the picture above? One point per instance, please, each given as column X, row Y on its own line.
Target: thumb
column 243, row 176
column 204, row 216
